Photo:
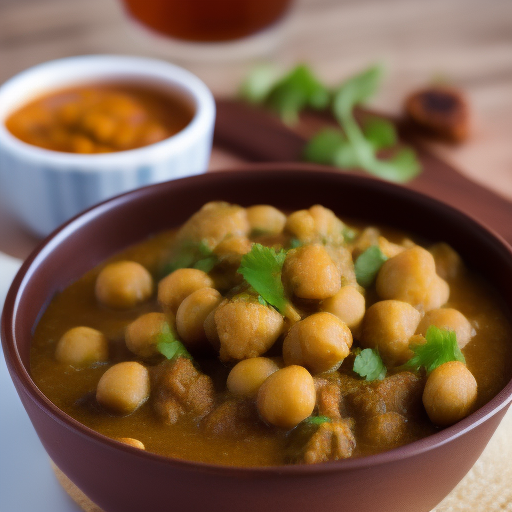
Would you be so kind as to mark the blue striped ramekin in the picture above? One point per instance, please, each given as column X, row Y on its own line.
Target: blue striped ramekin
column 44, row 188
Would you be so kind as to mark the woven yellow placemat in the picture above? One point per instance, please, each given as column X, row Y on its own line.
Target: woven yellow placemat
column 486, row 488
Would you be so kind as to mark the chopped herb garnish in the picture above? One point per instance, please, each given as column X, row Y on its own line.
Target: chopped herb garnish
column 368, row 364
column 294, row 243
column 441, row 347
column 206, row 264
column 169, row 346
column 261, row 268
column 349, row 234
column 192, row 255
column 317, row 420
column 368, row 265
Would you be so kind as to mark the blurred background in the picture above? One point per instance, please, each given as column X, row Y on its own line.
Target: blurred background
column 466, row 43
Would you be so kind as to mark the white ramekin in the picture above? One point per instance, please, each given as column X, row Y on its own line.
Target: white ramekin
column 45, row 188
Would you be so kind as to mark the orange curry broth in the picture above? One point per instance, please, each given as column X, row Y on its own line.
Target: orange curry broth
column 100, row 118
column 488, row 357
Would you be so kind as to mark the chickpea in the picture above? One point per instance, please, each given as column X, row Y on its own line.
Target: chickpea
column 232, row 248
column 124, row 387
column 407, row 276
column 327, row 225
column 141, row 336
column 178, row 285
column 388, row 326
column 316, row 224
column 123, row 285
column 214, row 222
column 310, row 273
column 246, row 329
column 320, row 342
column 287, row 397
column 437, row 294
column 266, row 219
column 301, row 225
column 449, row 319
column 192, row 314
column 348, row 305
column 246, row 377
column 132, row 442
column 448, row 262
column 82, row 346
column 449, row 394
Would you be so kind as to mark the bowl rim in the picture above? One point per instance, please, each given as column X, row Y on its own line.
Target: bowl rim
column 62, row 73
column 18, row 372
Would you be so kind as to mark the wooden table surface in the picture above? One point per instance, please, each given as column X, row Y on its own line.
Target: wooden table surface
column 465, row 42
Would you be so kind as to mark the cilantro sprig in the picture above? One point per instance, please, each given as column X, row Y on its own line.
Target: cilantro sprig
column 369, row 364
column 192, row 254
column 262, row 268
column 317, row 420
column 350, row 146
column 368, row 264
column 170, row 346
column 441, row 347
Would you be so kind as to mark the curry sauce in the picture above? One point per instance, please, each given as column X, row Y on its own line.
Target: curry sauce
column 239, row 430
column 100, row 118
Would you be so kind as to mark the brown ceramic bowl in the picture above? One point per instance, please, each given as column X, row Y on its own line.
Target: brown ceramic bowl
column 123, row 479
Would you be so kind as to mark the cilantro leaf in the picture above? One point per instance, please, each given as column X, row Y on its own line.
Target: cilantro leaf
column 356, row 90
column 261, row 268
column 349, row 234
column 368, row 265
column 192, row 255
column 317, row 420
column 259, row 83
column 169, row 346
column 297, row 90
column 368, row 364
column 380, row 132
column 206, row 264
column 441, row 347
column 323, row 146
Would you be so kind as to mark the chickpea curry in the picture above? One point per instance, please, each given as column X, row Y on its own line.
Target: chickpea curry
column 100, row 118
column 250, row 337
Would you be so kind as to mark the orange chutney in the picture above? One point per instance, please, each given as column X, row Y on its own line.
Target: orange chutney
column 100, row 118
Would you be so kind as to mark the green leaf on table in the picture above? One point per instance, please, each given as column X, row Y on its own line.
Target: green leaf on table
column 440, row 347
column 323, row 146
column 259, row 83
column 355, row 91
column 368, row 265
column 297, row 90
column 262, row 268
column 381, row 133
column 170, row 346
column 368, row 364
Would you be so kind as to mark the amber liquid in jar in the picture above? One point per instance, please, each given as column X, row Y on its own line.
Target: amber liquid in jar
column 207, row 20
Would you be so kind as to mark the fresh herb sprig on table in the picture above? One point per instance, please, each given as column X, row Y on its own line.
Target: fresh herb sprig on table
column 351, row 146
column 262, row 268
column 441, row 347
